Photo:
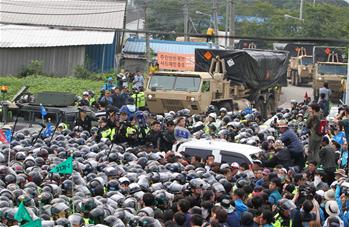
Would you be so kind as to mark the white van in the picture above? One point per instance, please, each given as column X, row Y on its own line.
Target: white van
column 222, row 151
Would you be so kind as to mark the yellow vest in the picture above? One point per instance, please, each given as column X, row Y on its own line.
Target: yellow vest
column 139, row 99
column 106, row 133
column 130, row 131
column 210, row 31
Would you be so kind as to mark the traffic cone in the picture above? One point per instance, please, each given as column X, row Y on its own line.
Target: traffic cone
column 306, row 96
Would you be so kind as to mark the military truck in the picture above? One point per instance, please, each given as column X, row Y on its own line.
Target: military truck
column 224, row 78
column 301, row 68
column 330, row 67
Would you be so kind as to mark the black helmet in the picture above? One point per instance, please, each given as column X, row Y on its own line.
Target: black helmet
column 36, row 177
column 87, row 205
column 46, row 197
column 97, row 215
column 211, row 109
column 10, row 179
column 112, row 185
column 63, row 222
column 76, row 219
column 96, row 188
column 20, row 156
column 67, row 187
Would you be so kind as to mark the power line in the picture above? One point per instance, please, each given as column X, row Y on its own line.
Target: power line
column 152, row 32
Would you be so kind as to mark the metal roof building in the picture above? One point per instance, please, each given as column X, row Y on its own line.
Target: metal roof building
column 59, row 50
column 65, row 13
column 133, row 52
column 60, row 33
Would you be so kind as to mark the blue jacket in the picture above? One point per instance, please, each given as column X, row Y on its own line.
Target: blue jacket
column 292, row 142
column 129, row 109
column 233, row 219
column 274, row 197
column 240, row 207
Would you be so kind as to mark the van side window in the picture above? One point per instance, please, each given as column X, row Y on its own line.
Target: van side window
column 234, row 157
column 199, row 152
column 205, row 86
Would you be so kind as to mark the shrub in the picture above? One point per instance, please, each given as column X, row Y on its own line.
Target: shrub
column 81, row 72
column 34, row 68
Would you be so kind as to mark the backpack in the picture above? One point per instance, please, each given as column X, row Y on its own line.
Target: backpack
column 323, row 127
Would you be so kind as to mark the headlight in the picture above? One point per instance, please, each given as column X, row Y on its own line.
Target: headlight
column 150, row 96
column 192, row 99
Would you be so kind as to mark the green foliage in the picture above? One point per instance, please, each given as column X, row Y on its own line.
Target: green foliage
column 44, row 83
column 327, row 18
column 81, row 72
column 34, row 68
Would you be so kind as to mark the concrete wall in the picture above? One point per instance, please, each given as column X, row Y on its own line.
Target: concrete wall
column 56, row 60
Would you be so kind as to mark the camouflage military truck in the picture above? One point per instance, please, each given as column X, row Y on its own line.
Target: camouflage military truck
column 330, row 67
column 230, row 79
column 301, row 68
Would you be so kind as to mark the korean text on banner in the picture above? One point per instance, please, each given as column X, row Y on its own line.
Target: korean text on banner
column 179, row 62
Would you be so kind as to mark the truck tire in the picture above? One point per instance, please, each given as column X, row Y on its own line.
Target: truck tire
column 292, row 77
column 260, row 106
column 315, row 94
column 228, row 105
column 270, row 106
column 296, row 78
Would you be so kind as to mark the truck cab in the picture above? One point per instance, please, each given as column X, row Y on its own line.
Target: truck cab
column 334, row 73
column 301, row 68
column 172, row 91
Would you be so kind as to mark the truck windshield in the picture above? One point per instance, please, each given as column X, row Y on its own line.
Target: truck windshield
column 174, row 82
column 332, row 69
column 307, row 60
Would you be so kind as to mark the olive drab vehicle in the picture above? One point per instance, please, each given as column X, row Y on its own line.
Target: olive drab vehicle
column 330, row 67
column 230, row 79
column 301, row 68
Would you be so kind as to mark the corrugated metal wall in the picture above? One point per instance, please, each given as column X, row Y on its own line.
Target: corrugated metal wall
column 56, row 60
column 100, row 58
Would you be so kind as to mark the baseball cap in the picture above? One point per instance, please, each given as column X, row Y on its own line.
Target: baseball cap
column 235, row 165
column 224, row 166
column 266, row 171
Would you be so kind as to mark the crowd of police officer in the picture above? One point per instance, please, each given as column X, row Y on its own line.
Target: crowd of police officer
column 126, row 173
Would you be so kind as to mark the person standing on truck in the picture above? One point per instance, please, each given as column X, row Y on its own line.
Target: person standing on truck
column 325, row 90
column 210, row 34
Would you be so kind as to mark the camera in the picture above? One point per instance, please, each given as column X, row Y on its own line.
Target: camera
column 306, row 192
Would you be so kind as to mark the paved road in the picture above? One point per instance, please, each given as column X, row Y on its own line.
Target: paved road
column 296, row 93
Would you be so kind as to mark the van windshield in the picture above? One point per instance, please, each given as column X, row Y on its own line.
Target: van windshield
column 174, row 82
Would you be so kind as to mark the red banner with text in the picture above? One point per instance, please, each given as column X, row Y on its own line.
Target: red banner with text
column 178, row 62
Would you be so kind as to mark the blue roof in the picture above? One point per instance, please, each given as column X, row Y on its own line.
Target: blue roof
column 137, row 46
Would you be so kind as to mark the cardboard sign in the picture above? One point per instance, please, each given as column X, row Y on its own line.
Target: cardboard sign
column 178, row 62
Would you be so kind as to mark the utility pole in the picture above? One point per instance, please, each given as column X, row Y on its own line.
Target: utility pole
column 232, row 24
column 301, row 10
column 147, row 41
column 227, row 16
column 215, row 19
column 186, row 20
